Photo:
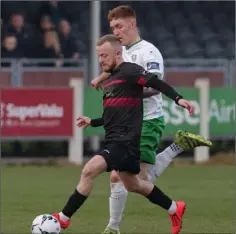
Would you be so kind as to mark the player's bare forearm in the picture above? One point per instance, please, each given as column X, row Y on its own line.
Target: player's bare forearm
column 164, row 88
column 148, row 92
column 97, row 122
column 97, row 82
column 102, row 77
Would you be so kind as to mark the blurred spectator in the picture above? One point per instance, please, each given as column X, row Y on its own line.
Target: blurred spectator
column 9, row 49
column 46, row 24
column 51, row 48
column 53, row 9
column 68, row 43
column 22, row 33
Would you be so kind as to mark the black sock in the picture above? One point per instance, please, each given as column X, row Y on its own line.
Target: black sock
column 75, row 201
column 159, row 198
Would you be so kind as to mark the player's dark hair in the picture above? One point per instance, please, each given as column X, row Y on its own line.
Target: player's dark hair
column 121, row 12
column 108, row 38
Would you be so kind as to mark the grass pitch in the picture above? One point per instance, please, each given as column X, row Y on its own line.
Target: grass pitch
column 208, row 190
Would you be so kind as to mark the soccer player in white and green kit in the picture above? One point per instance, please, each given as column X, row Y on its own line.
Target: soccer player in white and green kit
column 122, row 21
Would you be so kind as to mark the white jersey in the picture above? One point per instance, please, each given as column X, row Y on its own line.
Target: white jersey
column 149, row 57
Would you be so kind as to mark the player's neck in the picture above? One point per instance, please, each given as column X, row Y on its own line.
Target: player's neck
column 119, row 62
column 134, row 42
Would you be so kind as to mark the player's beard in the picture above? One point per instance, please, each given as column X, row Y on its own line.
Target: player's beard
column 112, row 67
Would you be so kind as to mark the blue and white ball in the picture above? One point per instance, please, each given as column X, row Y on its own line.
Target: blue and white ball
column 45, row 224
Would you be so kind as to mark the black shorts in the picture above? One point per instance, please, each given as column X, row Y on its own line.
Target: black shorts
column 122, row 156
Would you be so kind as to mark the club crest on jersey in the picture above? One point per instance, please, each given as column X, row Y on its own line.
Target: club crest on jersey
column 144, row 72
column 153, row 66
column 134, row 57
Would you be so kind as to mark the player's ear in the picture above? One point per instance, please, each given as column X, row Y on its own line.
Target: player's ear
column 133, row 23
column 119, row 52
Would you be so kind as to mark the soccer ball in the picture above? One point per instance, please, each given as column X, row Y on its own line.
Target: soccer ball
column 45, row 224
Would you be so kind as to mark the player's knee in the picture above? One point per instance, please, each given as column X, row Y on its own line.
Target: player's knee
column 133, row 188
column 87, row 172
column 143, row 176
column 114, row 178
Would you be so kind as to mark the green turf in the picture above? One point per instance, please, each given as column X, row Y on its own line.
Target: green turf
column 208, row 190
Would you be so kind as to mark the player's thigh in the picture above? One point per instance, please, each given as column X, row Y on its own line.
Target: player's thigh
column 130, row 181
column 134, row 184
column 95, row 166
column 152, row 131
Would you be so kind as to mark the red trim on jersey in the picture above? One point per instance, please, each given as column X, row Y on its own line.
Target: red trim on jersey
column 109, row 102
column 114, row 82
column 141, row 81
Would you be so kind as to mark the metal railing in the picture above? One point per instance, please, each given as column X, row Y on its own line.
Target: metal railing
column 202, row 65
column 17, row 67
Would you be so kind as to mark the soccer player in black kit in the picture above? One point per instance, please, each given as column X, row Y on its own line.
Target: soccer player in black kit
column 122, row 121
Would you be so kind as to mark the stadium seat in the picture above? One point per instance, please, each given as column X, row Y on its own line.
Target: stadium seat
column 230, row 50
column 198, row 19
column 170, row 49
column 226, row 34
column 198, row 25
column 184, row 34
column 191, row 6
column 162, row 34
column 219, row 20
column 205, row 34
column 190, row 49
column 214, row 50
column 175, row 20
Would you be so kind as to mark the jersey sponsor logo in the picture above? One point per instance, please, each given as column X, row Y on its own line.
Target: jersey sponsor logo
column 153, row 66
column 108, row 94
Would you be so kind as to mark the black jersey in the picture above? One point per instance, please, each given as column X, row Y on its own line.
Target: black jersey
column 123, row 101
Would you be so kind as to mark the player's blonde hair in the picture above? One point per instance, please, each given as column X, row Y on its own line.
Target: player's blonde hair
column 121, row 12
column 108, row 38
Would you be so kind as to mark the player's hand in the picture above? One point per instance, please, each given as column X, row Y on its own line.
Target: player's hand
column 83, row 122
column 97, row 83
column 187, row 105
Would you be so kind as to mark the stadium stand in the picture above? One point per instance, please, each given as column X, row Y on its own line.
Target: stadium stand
column 180, row 29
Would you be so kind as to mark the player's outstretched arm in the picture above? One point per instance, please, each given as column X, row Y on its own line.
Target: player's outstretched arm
column 161, row 86
column 97, row 82
column 168, row 91
column 84, row 122
column 97, row 122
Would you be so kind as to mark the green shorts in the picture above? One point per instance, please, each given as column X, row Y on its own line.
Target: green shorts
column 152, row 131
